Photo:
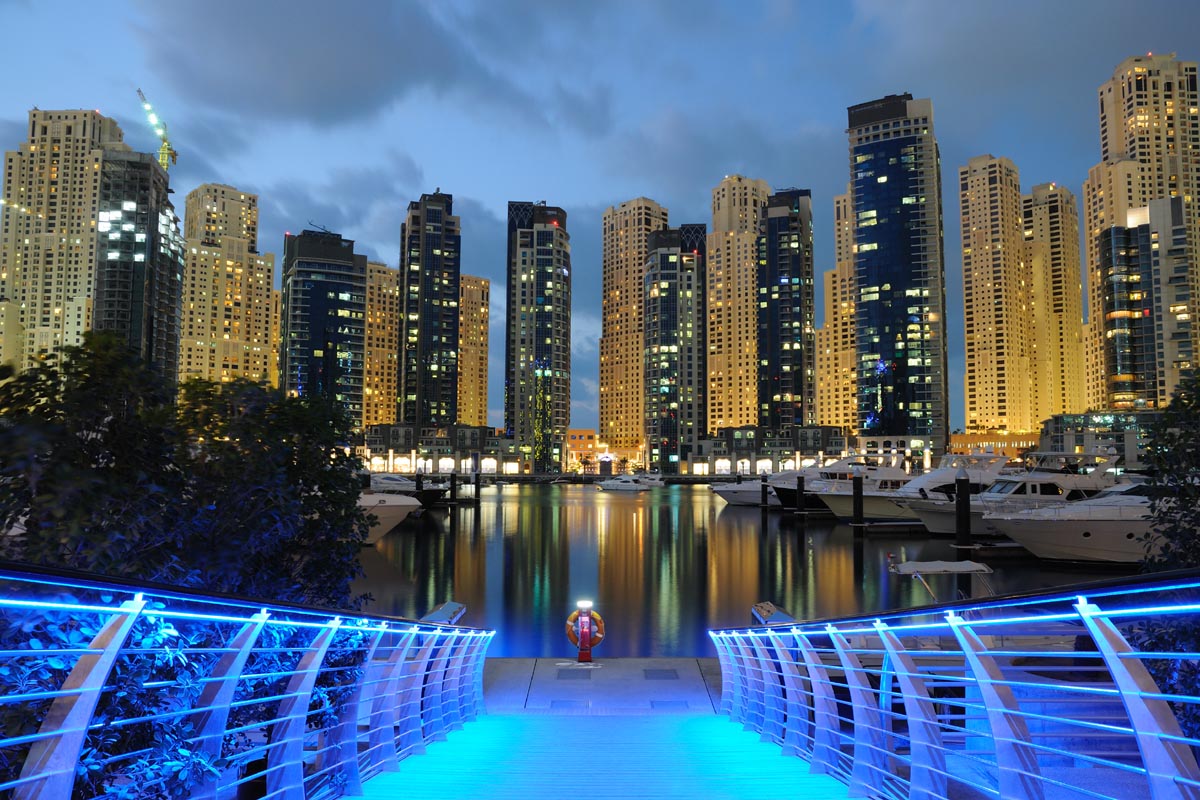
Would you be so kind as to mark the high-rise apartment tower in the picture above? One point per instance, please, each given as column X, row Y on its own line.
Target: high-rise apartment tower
column 537, row 357
column 899, row 268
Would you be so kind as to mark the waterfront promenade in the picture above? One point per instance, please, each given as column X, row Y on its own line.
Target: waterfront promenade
column 618, row 728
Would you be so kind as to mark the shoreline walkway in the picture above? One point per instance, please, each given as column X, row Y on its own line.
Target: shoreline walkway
column 620, row 728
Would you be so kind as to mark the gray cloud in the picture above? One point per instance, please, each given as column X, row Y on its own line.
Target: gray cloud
column 365, row 204
column 311, row 61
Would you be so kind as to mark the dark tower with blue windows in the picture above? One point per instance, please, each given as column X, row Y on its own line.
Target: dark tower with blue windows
column 895, row 176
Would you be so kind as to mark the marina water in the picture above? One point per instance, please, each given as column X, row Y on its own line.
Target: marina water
column 662, row 566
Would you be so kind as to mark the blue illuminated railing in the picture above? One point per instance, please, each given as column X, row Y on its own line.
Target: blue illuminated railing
column 1085, row 692
column 111, row 689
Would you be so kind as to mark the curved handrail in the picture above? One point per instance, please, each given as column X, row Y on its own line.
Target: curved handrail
column 1092, row 689
column 110, row 685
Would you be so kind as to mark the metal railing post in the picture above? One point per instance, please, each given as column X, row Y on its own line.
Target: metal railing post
column 212, row 712
column 927, row 778
column 285, row 756
column 828, row 726
column 1159, row 738
column 413, row 672
column 870, row 745
column 345, row 735
column 381, row 736
column 1016, row 759
column 772, row 682
column 69, row 716
column 797, row 727
column 729, row 681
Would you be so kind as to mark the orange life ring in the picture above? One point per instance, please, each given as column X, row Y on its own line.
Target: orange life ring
column 597, row 628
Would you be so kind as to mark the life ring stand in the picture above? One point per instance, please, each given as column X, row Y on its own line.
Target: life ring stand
column 597, row 628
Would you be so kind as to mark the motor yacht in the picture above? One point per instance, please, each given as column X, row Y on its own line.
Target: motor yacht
column 430, row 493
column 1114, row 526
column 881, row 474
column 389, row 509
column 1054, row 479
column 622, row 483
column 746, row 493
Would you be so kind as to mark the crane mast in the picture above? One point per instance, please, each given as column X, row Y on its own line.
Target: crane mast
column 166, row 154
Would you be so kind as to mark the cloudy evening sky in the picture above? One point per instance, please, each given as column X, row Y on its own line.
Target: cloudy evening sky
column 339, row 113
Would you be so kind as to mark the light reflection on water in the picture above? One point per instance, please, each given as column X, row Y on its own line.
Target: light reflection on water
column 662, row 566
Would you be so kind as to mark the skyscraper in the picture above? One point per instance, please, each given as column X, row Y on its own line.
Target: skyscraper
column 674, row 346
column 139, row 279
column 731, row 293
column 837, row 363
column 323, row 310
column 1149, row 149
column 786, row 339
column 623, row 261
column 1147, row 342
column 225, row 329
column 430, row 242
column 537, row 353
column 381, row 343
column 1051, row 223
column 899, row 267
column 474, row 313
column 89, row 240
column 996, row 295
column 1114, row 187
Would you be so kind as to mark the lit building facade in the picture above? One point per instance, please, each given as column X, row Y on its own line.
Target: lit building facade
column 537, row 354
column 140, row 268
column 1150, row 149
column 324, row 304
column 837, row 402
column 381, row 345
column 1051, row 228
column 1147, row 306
column 899, row 267
column 787, row 369
column 996, row 295
column 674, row 346
column 731, row 294
column 583, row 451
column 1113, row 188
column 226, row 324
column 430, row 252
column 623, row 260
column 474, row 315
column 82, row 218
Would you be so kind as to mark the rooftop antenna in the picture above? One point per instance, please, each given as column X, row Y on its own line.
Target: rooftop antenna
column 321, row 228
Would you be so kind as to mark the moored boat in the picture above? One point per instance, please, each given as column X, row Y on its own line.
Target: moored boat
column 1115, row 526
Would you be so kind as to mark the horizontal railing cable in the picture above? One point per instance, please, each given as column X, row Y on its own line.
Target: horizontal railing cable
column 111, row 687
column 1090, row 691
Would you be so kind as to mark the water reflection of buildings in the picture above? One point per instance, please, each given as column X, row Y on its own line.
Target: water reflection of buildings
column 663, row 567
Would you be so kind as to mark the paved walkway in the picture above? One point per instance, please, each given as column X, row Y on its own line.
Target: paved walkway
column 622, row 728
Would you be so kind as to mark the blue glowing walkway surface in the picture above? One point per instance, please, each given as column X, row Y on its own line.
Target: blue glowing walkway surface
column 530, row 756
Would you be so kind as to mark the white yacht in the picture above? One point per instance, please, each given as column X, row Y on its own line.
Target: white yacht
column 622, row 483
column 389, row 509
column 881, row 474
column 746, row 493
column 1054, row 479
column 1113, row 526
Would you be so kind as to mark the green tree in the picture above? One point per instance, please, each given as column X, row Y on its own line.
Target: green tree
column 87, row 462
column 237, row 489
column 272, row 494
column 1173, row 455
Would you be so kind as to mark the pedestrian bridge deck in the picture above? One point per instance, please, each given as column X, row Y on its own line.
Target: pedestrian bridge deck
column 629, row 728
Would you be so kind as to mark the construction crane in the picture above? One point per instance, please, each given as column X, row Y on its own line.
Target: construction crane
column 166, row 154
